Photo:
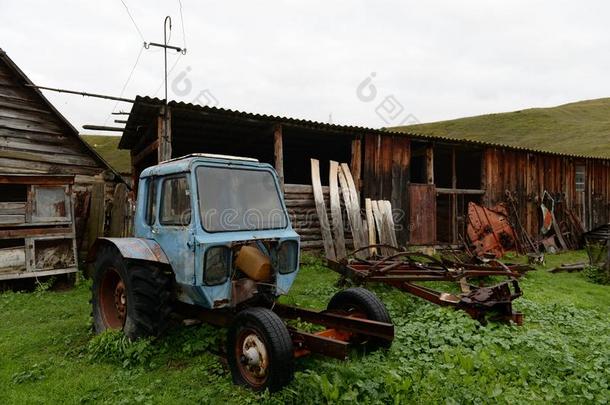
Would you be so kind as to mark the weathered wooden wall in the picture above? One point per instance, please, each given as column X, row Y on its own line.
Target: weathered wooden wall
column 527, row 175
column 35, row 139
column 385, row 176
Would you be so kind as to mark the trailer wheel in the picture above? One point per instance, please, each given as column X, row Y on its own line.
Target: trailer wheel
column 259, row 350
column 361, row 302
column 135, row 299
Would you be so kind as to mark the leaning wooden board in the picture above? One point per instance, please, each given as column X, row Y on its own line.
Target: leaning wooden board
column 318, row 196
column 335, row 209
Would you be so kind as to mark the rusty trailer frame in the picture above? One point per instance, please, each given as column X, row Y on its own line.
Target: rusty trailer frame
column 403, row 270
column 342, row 331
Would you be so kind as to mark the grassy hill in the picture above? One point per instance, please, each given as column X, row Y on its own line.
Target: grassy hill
column 578, row 128
column 107, row 147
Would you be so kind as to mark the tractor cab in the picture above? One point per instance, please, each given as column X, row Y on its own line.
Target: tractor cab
column 222, row 224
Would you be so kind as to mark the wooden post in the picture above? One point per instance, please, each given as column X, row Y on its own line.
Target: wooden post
column 356, row 162
column 454, row 210
column 97, row 213
column 430, row 163
column 164, row 135
column 278, row 151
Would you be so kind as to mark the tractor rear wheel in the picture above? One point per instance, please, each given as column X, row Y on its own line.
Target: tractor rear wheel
column 362, row 303
column 133, row 298
column 259, row 350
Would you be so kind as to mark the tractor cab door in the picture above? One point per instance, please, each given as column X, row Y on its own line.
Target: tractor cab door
column 173, row 228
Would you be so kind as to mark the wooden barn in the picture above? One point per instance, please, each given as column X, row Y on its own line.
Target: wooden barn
column 47, row 177
column 429, row 180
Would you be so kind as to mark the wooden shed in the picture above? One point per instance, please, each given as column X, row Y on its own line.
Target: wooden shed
column 429, row 180
column 36, row 140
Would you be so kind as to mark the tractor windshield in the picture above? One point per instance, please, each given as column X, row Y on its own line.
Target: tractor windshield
column 233, row 199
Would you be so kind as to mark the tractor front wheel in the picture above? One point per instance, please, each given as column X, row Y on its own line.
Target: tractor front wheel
column 135, row 299
column 259, row 350
column 361, row 303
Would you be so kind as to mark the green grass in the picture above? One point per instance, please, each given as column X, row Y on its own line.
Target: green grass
column 560, row 355
column 577, row 128
column 108, row 147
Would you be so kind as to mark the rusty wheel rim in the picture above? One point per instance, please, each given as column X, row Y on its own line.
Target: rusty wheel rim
column 252, row 357
column 113, row 299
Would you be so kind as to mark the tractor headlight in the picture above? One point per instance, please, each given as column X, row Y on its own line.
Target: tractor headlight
column 217, row 265
column 287, row 257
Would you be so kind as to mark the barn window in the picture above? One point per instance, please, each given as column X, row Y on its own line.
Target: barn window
column 580, row 177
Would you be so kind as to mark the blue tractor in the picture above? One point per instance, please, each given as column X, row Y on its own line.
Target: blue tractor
column 213, row 242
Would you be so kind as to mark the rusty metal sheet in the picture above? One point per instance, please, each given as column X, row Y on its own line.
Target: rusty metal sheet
column 489, row 230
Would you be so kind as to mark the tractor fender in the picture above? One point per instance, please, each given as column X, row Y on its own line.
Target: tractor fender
column 131, row 248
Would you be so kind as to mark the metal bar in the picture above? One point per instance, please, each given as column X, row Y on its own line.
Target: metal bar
column 82, row 93
column 331, row 320
column 103, row 128
column 175, row 48
column 335, row 348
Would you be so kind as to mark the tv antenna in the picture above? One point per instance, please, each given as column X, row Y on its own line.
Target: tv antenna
column 167, row 26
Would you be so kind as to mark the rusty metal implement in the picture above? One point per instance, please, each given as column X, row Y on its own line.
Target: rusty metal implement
column 404, row 270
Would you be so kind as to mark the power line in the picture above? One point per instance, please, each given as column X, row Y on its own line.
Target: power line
column 126, row 82
column 133, row 21
column 182, row 24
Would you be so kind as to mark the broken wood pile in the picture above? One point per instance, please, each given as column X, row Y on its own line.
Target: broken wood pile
column 377, row 224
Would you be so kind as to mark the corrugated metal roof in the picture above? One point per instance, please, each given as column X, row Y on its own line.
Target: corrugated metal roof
column 145, row 108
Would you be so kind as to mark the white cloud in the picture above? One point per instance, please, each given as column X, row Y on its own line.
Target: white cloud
column 440, row 59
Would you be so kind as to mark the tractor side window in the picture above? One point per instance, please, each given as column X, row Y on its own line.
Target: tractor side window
column 151, row 202
column 175, row 202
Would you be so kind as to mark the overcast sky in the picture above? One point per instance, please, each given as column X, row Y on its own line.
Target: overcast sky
column 371, row 63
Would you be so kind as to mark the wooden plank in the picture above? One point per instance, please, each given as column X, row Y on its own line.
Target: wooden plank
column 360, row 234
column 28, row 232
column 82, row 160
column 46, row 180
column 141, row 155
column 95, row 227
column 459, row 191
column 386, row 208
column 321, row 210
column 278, row 153
column 370, row 221
column 422, row 214
column 356, row 162
column 335, row 207
column 430, row 164
column 24, row 144
column 303, row 188
column 119, row 213
column 30, row 274
column 353, row 215
column 379, row 225
column 27, row 166
column 12, row 219
column 12, row 259
column 12, row 208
